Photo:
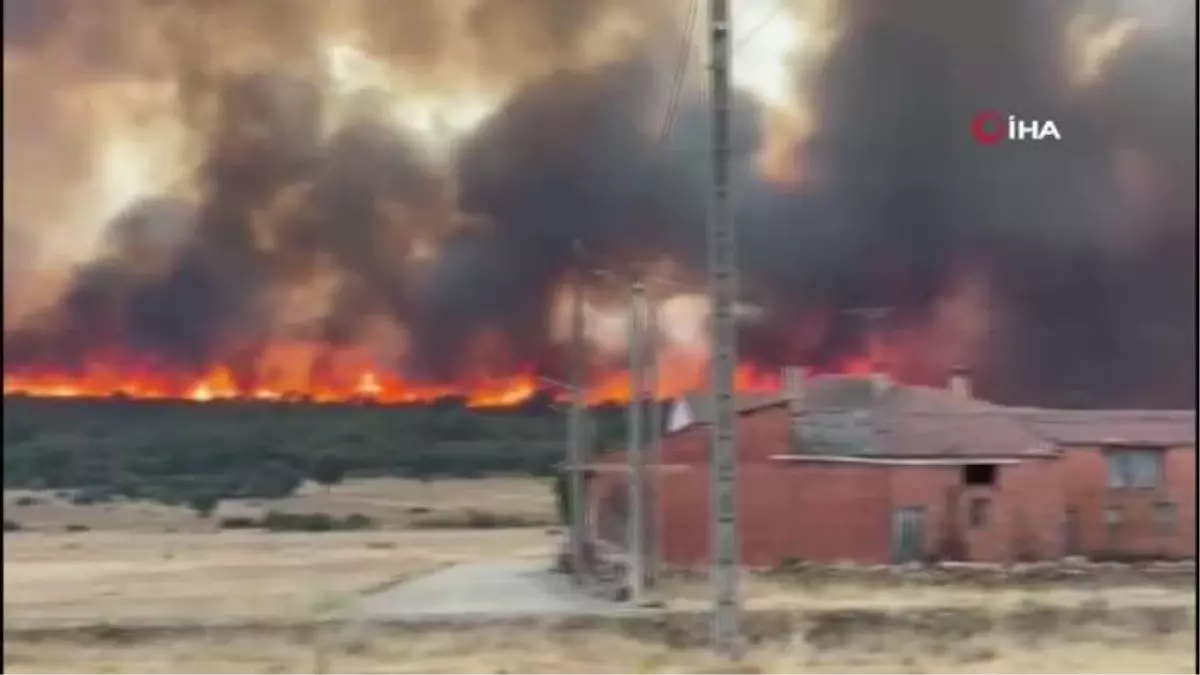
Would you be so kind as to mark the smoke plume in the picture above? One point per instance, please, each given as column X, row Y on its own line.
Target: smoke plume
column 299, row 189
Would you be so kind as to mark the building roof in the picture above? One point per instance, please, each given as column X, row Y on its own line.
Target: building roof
column 833, row 392
column 856, row 416
column 1112, row 427
column 907, row 421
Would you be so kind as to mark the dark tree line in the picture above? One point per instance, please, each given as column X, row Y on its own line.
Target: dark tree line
column 196, row 454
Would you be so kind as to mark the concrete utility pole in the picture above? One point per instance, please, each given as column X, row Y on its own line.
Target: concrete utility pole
column 637, row 445
column 654, row 459
column 576, row 432
column 722, row 245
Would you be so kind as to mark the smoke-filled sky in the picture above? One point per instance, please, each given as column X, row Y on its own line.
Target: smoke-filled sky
column 192, row 182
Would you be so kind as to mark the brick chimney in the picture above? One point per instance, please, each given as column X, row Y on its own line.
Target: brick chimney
column 960, row 381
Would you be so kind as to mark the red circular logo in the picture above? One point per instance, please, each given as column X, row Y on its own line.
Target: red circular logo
column 988, row 127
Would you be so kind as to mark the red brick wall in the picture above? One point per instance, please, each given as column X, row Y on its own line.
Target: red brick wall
column 1087, row 492
column 826, row 512
column 838, row 512
column 1024, row 519
column 829, row 512
column 685, row 496
column 815, row 513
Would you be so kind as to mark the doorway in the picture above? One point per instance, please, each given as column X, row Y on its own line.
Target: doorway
column 908, row 534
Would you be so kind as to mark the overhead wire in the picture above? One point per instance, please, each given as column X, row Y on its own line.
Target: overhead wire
column 758, row 27
column 682, row 61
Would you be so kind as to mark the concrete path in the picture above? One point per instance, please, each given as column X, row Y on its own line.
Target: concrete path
column 489, row 591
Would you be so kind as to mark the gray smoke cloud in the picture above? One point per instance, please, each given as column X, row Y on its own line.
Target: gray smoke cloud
column 1087, row 246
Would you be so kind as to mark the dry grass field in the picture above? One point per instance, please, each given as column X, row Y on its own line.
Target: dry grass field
column 148, row 565
column 142, row 562
column 393, row 503
column 121, row 578
column 1141, row 648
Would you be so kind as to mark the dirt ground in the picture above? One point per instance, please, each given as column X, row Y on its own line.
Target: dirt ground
column 132, row 570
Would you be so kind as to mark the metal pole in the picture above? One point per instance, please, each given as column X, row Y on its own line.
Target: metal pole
column 654, row 553
column 723, row 289
column 637, row 448
column 576, row 450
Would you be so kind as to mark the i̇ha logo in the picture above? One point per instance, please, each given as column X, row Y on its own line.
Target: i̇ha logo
column 990, row 127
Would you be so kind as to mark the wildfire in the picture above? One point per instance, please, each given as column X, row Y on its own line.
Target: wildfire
column 220, row 384
column 369, row 386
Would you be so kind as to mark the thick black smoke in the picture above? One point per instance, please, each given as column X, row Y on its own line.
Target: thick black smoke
column 1094, row 296
column 1093, row 281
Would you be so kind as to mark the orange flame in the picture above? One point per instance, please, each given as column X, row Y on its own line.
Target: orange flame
column 220, row 384
column 677, row 375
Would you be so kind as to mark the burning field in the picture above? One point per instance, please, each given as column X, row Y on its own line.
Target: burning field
column 370, row 199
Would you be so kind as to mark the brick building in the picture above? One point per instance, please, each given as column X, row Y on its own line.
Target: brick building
column 858, row 468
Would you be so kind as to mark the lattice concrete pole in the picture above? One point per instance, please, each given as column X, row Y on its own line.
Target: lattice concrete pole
column 723, row 285
column 637, row 446
column 576, row 432
column 654, row 553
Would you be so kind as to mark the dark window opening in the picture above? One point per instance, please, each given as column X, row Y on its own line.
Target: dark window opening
column 977, row 513
column 979, row 474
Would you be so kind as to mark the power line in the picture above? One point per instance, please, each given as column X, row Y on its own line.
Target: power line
column 683, row 59
column 670, row 113
column 766, row 20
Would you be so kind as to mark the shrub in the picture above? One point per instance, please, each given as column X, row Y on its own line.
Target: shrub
column 12, row 526
column 203, row 504
column 276, row 521
column 165, row 494
column 356, row 521
column 477, row 520
column 466, row 471
column 91, row 495
column 239, row 523
column 129, row 487
column 275, row 480
column 329, row 470
column 27, row 500
column 74, row 527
